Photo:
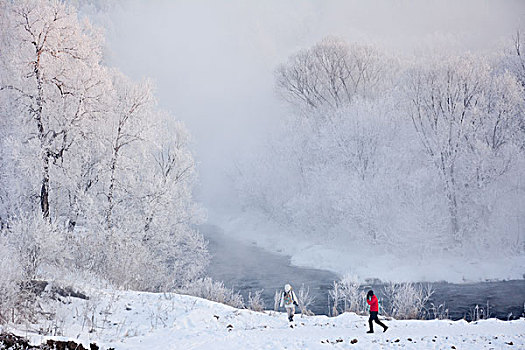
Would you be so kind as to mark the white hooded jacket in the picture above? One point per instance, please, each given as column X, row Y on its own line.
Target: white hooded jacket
column 288, row 299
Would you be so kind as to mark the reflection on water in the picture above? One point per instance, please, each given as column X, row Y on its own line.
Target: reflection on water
column 248, row 268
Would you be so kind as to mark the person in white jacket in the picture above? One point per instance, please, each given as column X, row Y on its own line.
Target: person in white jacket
column 289, row 301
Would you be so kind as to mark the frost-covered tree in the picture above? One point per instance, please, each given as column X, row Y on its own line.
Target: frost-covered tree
column 516, row 57
column 421, row 157
column 467, row 119
column 89, row 150
column 331, row 74
column 325, row 172
column 128, row 125
column 50, row 64
column 12, row 276
column 514, row 62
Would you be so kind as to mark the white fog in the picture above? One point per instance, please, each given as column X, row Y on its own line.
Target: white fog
column 343, row 162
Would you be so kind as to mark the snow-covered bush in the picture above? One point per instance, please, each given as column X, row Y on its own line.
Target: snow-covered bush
column 131, row 265
column 277, row 299
column 335, row 296
column 354, row 298
column 10, row 282
column 215, row 291
column 439, row 312
column 255, row 301
column 38, row 244
column 31, row 249
column 124, row 260
column 347, row 296
column 305, row 300
column 479, row 312
column 407, row 300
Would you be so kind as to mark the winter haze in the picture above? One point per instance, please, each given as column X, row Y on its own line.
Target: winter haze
column 195, row 174
column 213, row 62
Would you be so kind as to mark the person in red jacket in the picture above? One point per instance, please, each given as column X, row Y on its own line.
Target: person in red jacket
column 371, row 299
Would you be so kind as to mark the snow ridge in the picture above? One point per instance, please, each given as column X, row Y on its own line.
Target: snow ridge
column 139, row 320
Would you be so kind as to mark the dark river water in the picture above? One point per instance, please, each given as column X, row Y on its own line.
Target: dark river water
column 247, row 268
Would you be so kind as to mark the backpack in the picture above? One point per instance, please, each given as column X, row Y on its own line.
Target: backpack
column 288, row 298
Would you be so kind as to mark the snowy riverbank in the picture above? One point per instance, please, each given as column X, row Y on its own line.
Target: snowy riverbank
column 386, row 266
column 134, row 320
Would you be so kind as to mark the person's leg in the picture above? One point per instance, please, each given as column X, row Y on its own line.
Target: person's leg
column 290, row 312
column 370, row 324
column 376, row 319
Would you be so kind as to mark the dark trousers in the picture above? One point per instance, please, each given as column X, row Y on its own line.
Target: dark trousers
column 373, row 317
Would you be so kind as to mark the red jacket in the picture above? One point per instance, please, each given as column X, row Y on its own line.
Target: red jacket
column 373, row 303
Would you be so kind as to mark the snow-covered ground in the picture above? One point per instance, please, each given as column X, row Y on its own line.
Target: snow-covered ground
column 134, row 320
column 348, row 258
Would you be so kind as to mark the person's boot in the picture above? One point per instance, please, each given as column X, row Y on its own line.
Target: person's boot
column 384, row 329
column 371, row 331
column 290, row 318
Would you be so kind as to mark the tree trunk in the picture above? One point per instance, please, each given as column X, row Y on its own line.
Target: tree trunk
column 44, row 191
column 453, row 212
column 453, row 204
column 111, row 191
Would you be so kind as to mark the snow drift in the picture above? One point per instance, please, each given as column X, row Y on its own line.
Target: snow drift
column 140, row 320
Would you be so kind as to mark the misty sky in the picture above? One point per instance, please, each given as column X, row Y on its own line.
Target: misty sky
column 213, row 61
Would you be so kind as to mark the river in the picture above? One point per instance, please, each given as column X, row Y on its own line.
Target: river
column 248, row 268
